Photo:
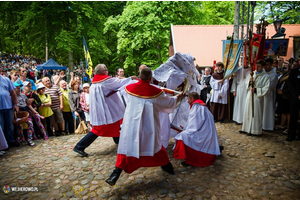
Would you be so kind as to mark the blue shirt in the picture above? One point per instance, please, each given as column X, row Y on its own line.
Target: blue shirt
column 5, row 87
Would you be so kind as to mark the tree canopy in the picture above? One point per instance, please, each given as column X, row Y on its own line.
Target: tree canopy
column 287, row 11
column 118, row 33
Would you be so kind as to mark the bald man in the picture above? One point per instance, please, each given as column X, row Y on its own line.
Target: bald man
column 106, row 108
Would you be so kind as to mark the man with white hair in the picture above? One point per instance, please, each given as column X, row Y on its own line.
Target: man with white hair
column 106, row 108
column 57, row 105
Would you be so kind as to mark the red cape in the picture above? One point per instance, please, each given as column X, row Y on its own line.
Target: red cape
column 198, row 101
column 143, row 89
column 98, row 78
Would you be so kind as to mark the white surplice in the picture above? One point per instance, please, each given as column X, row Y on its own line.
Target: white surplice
column 106, row 110
column 200, row 131
column 219, row 89
column 140, row 133
column 269, row 102
column 238, row 86
column 261, row 83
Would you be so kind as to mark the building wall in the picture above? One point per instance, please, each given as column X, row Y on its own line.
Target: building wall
column 204, row 42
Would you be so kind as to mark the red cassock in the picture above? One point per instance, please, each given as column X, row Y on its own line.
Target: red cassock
column 191, row 156
column 106, row 130
column 130, row 164
column 144, row 90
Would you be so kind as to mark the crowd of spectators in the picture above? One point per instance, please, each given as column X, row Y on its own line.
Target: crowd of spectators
column 51, row 103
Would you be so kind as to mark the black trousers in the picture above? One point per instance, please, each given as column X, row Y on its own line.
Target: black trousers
column 82, row 116
column 86, row 141
column 295, row 108
column 47, row 122
column 69, row 121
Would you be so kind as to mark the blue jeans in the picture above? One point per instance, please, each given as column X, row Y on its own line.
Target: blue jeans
column 6, row 122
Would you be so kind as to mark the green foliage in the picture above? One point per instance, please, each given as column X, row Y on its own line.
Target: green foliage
column 287, row 11
column 218, row 12
column 119, row 34
column 143, row 30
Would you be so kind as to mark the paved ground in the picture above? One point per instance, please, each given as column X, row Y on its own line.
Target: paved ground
column 264, row 167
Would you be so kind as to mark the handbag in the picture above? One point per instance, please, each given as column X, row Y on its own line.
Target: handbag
column 82, row 128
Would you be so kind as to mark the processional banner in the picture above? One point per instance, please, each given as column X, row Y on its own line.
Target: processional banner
column 88, row 60
column 234, row 55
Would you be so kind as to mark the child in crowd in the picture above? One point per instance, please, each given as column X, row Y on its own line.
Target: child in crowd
column 36, row 103
column 85, row 103
column 24, row 105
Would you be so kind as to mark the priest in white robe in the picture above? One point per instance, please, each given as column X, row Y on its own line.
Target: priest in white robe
column 239, row 93
column 140, row 141
column 270, row 97
column 106, row 108
column 261, row 80
column 198, row 143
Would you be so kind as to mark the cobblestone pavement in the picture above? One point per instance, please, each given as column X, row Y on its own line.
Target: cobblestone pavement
column 265, row 167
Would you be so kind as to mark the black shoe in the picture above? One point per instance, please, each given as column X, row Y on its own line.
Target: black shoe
column 116, row 140
column 289, row 139
column 221, row 148
column 114, row 176
column 184, row 164
column 13, row 144
column 168, row 168
column 57, row 134
column 112, row 179
column 242, row 132
column 249, row 134
column 81, row 152
column 221, row 121
column 238, row 123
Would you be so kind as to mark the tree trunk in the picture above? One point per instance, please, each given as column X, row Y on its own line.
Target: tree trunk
column 47, row 49
column 71, row 61
column 46, row 40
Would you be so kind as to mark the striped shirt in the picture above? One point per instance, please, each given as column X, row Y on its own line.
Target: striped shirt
column 54, row 93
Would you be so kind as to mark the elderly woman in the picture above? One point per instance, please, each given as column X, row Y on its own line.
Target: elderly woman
column 74, row 100
column 85, row 103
